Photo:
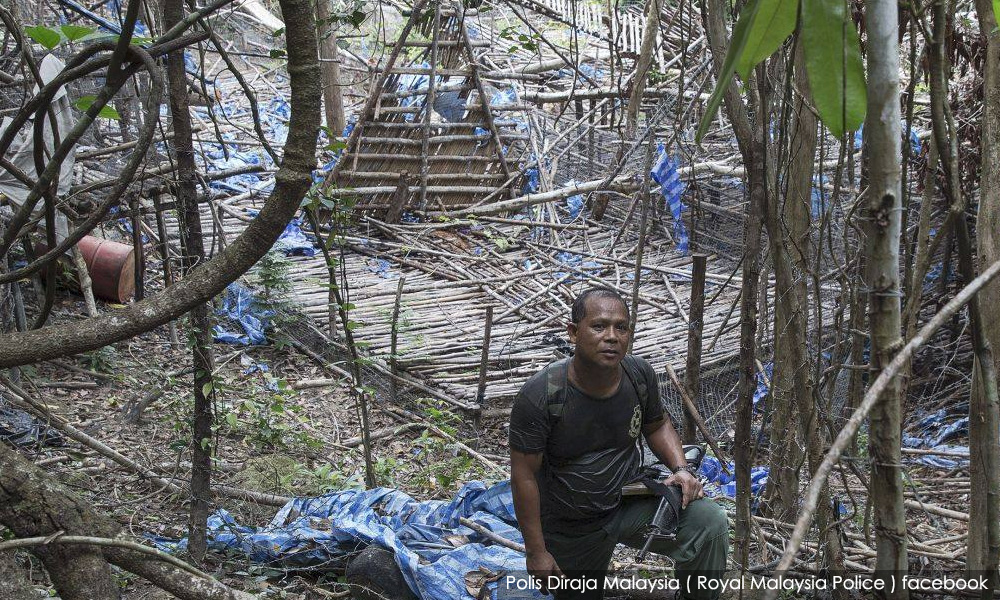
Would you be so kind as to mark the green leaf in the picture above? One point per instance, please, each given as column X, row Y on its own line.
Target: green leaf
column 773, row 23
column 736, row 45
column 833, row 64
column 278, row 32
column 106, row 112
column 276, row 53
column 356, row 18
column 49, row 38
column 75, row 32
column 206, row 390
column 231, row 420
column 996, row 10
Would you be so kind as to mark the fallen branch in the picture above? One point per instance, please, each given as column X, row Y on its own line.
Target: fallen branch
column 492, row 536
column 60, row 538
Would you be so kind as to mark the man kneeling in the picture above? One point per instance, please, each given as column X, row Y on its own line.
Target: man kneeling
column 574, row 443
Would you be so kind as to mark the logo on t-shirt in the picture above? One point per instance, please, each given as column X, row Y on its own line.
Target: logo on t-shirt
column 633, row 428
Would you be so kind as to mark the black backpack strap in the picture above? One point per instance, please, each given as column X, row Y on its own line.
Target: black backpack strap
column 555, row 389
column 630, row 365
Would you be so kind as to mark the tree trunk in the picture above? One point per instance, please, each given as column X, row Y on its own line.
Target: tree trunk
column 984, row 418
column 34, row 504
column 30, row 506
column 882, row 211
column 333, row 94
column 194, row 254
column 787, row 223
column 752, row 148
column 642, row 64
column 13, row 585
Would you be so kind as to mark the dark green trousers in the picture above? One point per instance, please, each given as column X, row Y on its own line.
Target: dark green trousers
column 700, row 549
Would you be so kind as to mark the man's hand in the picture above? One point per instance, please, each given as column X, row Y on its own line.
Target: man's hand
column 691, row 489
column 542, row 565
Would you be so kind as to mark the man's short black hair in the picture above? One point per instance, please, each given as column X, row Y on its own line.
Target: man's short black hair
column 579, row 310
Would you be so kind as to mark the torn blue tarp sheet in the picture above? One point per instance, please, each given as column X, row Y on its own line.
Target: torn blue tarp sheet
column 763, row 387
column 125, row 223
column 943, row 425
column 915, row 146
column 450, row 105
column 276, row 117
column 293, row 241
column 242, row 310
column 530, row 181
column 250, row 366
column 934, row 431
column 381, row 267
column 664, row 172
column 411, row 82
column 433, row 550
column 718, row 482
column 580, row 267
column 218, row 158
column 934, row 460
column 574, row 204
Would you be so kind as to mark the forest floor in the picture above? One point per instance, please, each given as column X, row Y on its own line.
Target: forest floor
column 286, row 427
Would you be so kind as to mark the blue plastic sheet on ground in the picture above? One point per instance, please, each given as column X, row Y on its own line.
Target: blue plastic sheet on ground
column 309, row 532
column 664, row 172
column 934, row 430
column 574, row 204
column 243, row 312
column 581, row 267
column 762, row 384
column 292, row 241
column 530, row 181
column 381, row 267
column 276, row 117
column 721, row 483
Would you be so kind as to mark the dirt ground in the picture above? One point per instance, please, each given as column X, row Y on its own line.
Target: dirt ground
column 286, row 426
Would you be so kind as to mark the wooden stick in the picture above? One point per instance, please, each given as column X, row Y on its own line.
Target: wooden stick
column 393, row 347
column 695, row 325
column 492, row 536
column 698, row 420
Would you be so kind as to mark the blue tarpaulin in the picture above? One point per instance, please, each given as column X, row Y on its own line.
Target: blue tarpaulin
column 762, row 384
column 576, row 261
column 664, row 172
column 292, row 241
column 719, row 483
column 243, row 311
column 934, row 430
column 915, row 146
column 426, row 537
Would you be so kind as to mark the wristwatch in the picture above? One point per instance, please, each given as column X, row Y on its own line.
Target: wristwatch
column 693, row 470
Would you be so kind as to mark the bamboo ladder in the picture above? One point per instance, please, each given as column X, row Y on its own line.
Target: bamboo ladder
column 449, row 161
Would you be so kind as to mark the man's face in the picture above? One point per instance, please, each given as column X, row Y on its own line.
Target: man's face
column 602, row 336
